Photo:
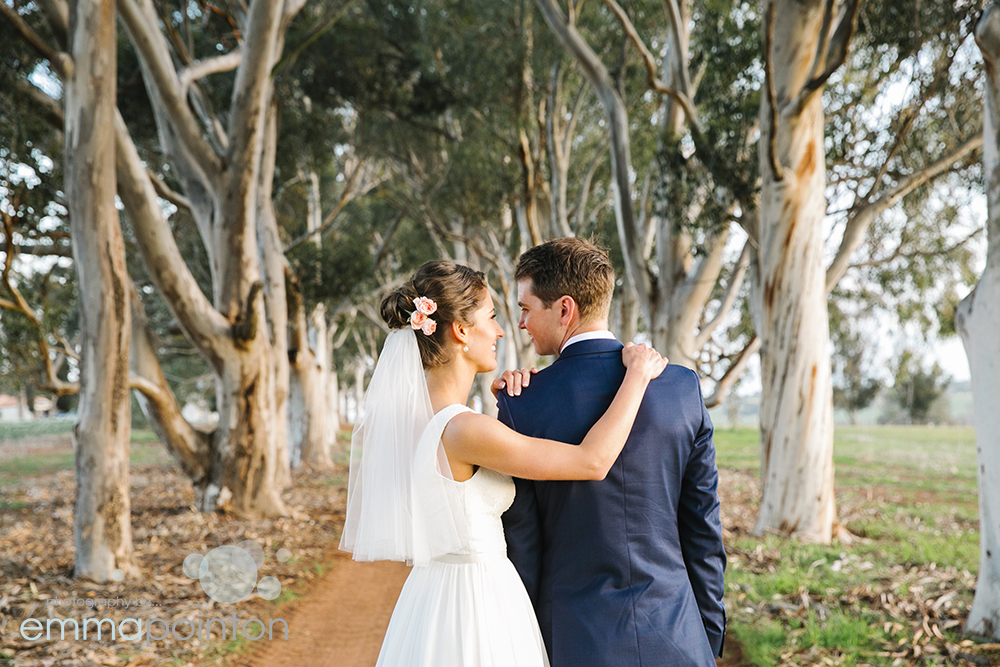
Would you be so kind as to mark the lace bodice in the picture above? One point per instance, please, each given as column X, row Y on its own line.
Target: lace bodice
column 484, row 496
column 477, row 503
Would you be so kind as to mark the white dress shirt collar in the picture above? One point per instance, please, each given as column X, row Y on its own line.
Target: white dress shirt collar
column 588, row 335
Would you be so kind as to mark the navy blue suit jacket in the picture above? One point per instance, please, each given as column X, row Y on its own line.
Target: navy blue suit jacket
column 628, row 570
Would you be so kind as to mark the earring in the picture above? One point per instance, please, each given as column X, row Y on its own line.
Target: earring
column 465, row 348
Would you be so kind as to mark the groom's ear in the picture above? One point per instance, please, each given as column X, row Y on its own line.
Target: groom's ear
column 567, row 310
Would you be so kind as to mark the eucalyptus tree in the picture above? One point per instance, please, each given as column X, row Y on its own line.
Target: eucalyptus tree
column 218, row 172
column 102, row 523
column 880, row 158
column 978, row 320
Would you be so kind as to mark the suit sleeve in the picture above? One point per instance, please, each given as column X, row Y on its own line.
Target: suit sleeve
column 701, row 530
column 521, row 524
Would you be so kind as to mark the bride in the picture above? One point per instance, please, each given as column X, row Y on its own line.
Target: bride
column 429, row 478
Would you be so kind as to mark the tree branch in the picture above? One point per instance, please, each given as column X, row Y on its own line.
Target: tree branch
column 187, row 445
column 61, row 62
column 202, row 323
column 836, row 56
column 345, row 199
column 163, row 83
column 253, row 80
column 861, row 218
column 51, row 109
column 618, row 131
column 20, row 304
column 39, row 250
column 202, row 68
column 165, row 192
column 580, row 209
column 732, row 374
column 698, row 284
column 652, row 77
column 898, row 252
column 676, row 19
column 772, row 98
column 148, row 389
column 735, row 282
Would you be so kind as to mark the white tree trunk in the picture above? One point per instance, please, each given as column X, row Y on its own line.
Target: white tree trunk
column 102, row 528
column 296, row 420
column 273, row 267
column 333, row 405
column 314, row 447
column 359, row 386
column 345, row 404
column 796, row 416
column 978, row 321
column 672, row 299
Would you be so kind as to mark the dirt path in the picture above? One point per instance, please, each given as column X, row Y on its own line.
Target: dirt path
column 342, row 622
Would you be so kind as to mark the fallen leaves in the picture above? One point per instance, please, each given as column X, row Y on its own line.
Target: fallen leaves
column 36, row 564
column 918, row 609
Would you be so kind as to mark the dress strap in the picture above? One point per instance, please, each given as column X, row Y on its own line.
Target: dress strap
column 437, row 522
column 441, row 419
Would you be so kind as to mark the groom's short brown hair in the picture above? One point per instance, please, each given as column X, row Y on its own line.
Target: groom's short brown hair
column 570, row 267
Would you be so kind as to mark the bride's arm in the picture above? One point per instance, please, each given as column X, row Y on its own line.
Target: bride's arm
column 483, row 441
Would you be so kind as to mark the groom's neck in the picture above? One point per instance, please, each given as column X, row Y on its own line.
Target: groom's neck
column 583, row 327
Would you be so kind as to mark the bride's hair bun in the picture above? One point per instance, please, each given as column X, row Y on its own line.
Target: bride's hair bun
column 458, row 292
column 397, row 306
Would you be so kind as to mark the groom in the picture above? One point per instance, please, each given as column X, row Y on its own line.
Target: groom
column 629, row 570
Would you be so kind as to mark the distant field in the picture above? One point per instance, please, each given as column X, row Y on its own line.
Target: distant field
column 44, row 446
column 932, row 458
column 39, row 427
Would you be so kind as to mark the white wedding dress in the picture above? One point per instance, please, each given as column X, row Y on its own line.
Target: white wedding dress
column 466, row 609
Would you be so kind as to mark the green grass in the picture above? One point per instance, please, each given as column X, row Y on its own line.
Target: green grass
column 911, row 492
column 144, row 450
column 762, row 641
column 40, row 427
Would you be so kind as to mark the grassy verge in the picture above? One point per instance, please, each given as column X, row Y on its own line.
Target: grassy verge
column 39, row 427
column 145, row 449
column 900, row 593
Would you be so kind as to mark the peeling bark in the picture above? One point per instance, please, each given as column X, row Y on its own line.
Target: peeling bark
column 796, row 416
column 102, row 528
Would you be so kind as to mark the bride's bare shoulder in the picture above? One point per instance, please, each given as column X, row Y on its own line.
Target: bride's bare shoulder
column 468, row 425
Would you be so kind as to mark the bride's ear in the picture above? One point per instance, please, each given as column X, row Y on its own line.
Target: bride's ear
column 458, row 332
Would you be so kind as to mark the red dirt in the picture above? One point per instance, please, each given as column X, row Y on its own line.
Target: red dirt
column 343, row 620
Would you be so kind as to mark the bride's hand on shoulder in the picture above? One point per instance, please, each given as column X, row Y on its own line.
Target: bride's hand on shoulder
column 513, row 381
column 643, row 359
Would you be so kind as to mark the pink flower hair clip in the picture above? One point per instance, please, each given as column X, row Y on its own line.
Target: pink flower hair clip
column 419, row 318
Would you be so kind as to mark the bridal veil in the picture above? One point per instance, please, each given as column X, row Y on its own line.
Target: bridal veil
column 398, row 504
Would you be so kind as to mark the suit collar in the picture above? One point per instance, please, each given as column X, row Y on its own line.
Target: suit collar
column 591, row 347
